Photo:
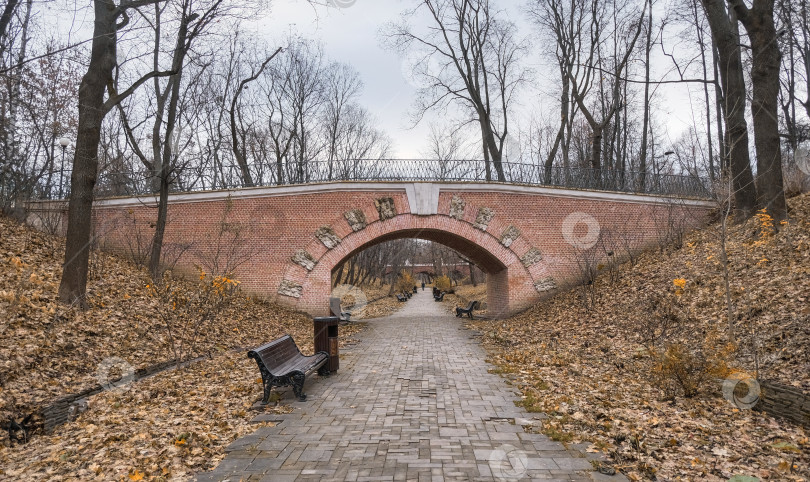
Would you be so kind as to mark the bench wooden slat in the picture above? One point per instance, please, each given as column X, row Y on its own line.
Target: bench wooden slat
column 468, row 310
column 281, row 363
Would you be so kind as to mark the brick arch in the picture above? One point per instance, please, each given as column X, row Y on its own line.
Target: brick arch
column 296, row 234
column 510, row 285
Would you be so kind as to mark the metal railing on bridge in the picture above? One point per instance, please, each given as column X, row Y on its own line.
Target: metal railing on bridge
column 414, row 170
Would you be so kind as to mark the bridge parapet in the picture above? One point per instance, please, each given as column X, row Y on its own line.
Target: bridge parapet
column 421, row 170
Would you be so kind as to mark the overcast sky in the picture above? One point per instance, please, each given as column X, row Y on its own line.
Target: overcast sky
column 349, row 31
column 351, row 34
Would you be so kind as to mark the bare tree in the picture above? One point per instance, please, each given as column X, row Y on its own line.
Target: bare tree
column 478, row 54
column 580, row 29
column 239, row 150
column 448, row 147
column 193, row 17
column 192, row 25
column 343, row 84
column 765, row 69
column 726, row 37
column 550, row 18
column 92, row 109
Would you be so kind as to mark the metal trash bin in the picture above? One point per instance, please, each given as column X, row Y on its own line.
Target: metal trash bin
column 326, row 339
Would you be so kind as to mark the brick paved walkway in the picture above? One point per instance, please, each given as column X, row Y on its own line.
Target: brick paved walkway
column 412, row 401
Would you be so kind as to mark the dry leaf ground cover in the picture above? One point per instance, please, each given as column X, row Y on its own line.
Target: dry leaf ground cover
column 464, row 294
column 605, row 373
column 378, row 302
column 170, row 425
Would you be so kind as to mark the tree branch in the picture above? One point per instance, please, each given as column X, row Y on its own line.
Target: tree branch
column 115, row 98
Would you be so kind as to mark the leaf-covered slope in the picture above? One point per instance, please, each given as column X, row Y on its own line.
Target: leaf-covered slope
column 48, row 350
column 589, row 368
column 170, row 425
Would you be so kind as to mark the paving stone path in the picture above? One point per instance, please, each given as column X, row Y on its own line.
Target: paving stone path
column 412, row 401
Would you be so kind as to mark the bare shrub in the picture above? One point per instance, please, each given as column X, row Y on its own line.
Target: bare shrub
column 187, row 314
column 682, row 363
column 230, row 245
column 680, row 370
column 50, row 220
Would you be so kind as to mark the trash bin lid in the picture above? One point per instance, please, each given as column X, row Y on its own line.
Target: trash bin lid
column 326, row 319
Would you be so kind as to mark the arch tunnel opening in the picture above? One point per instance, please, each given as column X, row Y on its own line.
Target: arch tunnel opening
column 495, row 271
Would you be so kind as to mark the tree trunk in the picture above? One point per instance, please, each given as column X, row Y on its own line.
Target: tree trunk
column 727, row 38
column 718, row 108
column 564, row 104
column 759, row 23
column 596, row 149
column 5, row 19
column 167, row 162
column 72, row 288
column 706, row 98
column 487, row 164
column 238, row 152
column 642, row 166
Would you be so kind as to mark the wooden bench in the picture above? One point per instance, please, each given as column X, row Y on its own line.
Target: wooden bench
column 439, row 297
column 282, row 365
column 401, row 298
column 460, row 312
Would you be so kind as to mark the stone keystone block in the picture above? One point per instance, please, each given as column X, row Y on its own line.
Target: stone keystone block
column 457, row 206
column 483, row 219
column 290, row 288
column 304, row 259
column 531, row 257
column 356, row 219
column 546, row 284
column 385, row 206
column 509, row 235
column 327, row 236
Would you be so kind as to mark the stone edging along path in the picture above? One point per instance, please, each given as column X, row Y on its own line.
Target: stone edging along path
column 413, row 400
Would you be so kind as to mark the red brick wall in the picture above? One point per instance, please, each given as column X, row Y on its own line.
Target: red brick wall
column 274, row 223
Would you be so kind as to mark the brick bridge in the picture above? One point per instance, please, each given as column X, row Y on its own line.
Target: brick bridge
column 288, row 240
